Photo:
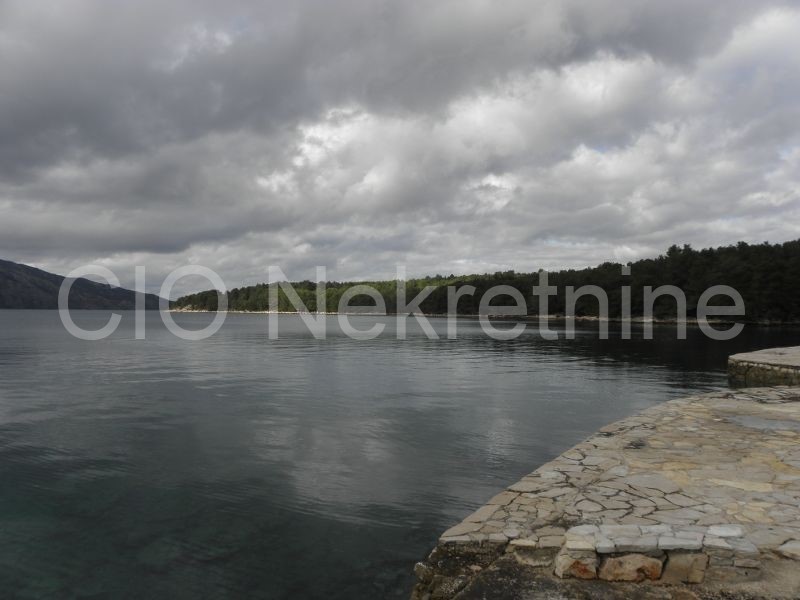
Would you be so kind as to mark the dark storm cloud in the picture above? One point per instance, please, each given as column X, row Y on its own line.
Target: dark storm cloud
column 453, row 136
column 117, row 78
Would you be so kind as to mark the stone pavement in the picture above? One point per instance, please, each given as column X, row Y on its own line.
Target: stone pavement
column 701, row 492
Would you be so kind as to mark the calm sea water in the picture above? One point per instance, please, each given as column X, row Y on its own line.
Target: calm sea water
column 293, row 468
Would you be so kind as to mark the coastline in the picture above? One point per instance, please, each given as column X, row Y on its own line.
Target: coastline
column 526, row 318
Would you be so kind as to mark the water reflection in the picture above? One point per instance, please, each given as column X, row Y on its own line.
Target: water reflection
column 294, row 467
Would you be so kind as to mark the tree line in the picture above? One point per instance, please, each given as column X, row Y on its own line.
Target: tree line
column 766, row 275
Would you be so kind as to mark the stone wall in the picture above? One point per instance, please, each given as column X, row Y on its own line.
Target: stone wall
column 751, row 374
column 776, row 366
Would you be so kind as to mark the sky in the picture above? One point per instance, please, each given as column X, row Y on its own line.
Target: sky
column 450, row 136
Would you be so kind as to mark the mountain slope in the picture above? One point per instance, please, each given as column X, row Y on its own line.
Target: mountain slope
column 22, row 286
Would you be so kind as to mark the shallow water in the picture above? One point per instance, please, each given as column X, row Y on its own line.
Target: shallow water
column 290, row 468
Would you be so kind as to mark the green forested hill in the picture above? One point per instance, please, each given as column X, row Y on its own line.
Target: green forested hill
column 766, row 275
column 22, row 286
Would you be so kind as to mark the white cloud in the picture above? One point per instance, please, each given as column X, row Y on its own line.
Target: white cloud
column 455, row 138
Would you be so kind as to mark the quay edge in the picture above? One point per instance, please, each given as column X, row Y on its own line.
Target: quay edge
column 774, row 366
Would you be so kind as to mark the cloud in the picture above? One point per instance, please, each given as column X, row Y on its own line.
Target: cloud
column 455, row 137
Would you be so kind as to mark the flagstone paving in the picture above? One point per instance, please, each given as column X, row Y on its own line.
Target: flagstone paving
column 702, row 490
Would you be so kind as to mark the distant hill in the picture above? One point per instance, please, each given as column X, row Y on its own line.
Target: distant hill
column 766, row 275
column 22, row 286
